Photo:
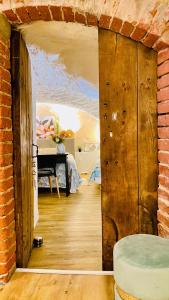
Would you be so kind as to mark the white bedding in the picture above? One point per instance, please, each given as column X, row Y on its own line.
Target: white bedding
column 74, row 176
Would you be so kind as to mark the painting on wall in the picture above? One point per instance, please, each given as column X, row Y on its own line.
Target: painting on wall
column 46, row 127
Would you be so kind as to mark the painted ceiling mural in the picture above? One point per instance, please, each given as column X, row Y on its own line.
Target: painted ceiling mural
column 64, row 69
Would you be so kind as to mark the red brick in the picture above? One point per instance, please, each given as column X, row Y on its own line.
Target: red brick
column 11, row 16
column 5, row 99
column 6, row 160
column 163, row 231
column 163, row 157
column 6, row 183
column 163, row 94
column 127, row 28
column 163, row 218
column 5, row 75
column 163, row 132
column 5, row 123
column 5, row 111
column 163, row 144
column 5, row 244
column 68, row 14
column 23, row 14
column 163, row 68
column 163, row 206
column 163, row 107
column 163, row 120
column 5, row 62
column 33, row 13
column 56, row 13
column 2, row 49
column 6, row 172
column 4, row 198
column 163, row 55
column 164, row 181
column 5, row 255
column 116, row 24
column 164, row 170
column 44, row 12
column 5, row 221
column 80, row 18
column 91, row 20
column 5, row 53
column 5, row 41
column 10, row 236
column 6, row 148
column 164, row 194
column 6, row 277
column 5, row 232
column 5, row 87
column 104, row 21
column 4, row 268
column 160, row 45
column 163, row 81
column 4, row 210
column 150, row 39
column 138, row 33
column 6, row 136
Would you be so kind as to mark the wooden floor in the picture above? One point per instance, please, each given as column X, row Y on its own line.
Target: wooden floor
column 26, row 286
column 71, row 229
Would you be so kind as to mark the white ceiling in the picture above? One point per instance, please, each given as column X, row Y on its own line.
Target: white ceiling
column 64, row 59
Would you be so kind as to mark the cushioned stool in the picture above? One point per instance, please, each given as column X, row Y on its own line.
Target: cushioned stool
column 141, row 268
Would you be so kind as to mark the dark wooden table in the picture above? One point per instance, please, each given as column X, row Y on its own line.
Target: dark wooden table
column 50, row 161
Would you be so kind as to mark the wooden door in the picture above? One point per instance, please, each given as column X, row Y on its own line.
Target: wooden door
column 22, row 126
column 128, row 122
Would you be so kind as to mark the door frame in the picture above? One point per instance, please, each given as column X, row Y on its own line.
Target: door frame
column 102, row 237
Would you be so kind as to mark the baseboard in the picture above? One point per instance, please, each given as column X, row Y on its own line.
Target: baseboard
column 65, row 272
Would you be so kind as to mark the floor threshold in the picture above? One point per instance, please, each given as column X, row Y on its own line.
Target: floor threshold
column 65, row 272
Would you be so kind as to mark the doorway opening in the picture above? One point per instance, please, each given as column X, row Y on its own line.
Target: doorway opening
column 65, row 104
column 128, row 113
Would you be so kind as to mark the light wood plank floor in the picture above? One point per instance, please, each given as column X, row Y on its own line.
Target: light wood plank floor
column 26, row 286
column 71, row 229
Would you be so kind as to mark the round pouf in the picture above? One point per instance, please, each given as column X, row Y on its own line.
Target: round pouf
column 141, row 268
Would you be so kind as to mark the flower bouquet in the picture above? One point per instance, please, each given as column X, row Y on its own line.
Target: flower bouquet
column 58, row 139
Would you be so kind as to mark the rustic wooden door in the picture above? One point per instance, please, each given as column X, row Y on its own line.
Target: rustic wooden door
column 22, row 126
column 128, row 139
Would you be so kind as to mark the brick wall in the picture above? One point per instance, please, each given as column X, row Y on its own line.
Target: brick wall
column 7, row 226
column 137, row 31
column 163, row 142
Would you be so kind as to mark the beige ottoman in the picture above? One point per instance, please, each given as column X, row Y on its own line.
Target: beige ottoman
column 141, row 268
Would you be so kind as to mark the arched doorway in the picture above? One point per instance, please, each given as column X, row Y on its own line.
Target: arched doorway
column 71, row 15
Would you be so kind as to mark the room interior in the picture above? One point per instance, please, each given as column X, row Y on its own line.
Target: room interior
column 69, row 107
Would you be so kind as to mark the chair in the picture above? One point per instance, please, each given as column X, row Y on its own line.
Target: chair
column 48, row 171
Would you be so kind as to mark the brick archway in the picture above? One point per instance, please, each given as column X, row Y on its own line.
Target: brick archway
column 138, row 32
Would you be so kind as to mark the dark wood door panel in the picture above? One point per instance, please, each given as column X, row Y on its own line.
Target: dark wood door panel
column 125, row 145
column 22, row 125
column 147, row 139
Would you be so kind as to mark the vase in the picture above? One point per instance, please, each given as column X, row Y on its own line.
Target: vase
column 60, row 148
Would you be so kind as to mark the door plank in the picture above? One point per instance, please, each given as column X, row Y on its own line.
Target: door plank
column 118, row 114
column 147, row 139
column 22, row 125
